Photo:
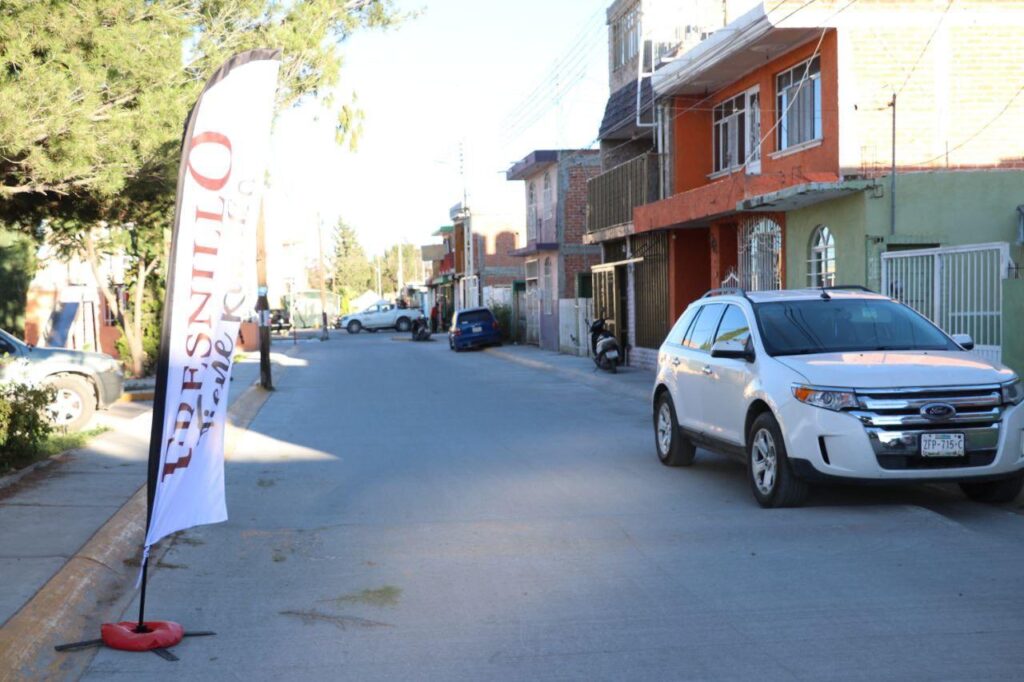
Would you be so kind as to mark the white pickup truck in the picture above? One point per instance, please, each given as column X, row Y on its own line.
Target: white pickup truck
column 380, row 315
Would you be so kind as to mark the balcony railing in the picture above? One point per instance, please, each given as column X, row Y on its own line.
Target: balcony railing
column 612, row 195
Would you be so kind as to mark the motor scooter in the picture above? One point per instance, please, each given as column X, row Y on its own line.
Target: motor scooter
column 604, row 347
column 420, row 329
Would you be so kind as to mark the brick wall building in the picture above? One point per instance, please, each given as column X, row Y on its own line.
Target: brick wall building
column 554, row 258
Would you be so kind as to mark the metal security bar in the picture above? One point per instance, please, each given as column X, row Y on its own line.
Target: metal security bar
column 959, row 288
column 612, row 195
column 759, row 261
column 651, row 281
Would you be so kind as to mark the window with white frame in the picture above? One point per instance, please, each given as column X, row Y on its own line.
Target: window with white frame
column 737, row 131
column 798, row 104
column 821, row 266
column 626, row 37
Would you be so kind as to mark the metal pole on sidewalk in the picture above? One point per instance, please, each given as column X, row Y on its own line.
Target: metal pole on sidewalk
column 262, row 304
column 323, row 282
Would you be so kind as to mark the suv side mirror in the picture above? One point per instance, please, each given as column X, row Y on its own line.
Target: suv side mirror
column 964, row 341
column 732, row 349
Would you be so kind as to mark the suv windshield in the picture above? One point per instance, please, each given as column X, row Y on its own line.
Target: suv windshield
column 820, row 326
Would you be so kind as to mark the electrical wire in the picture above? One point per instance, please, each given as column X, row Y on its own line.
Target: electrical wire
column 712, row 95
column 924, row 49
column 569, row 61
column 979, row 131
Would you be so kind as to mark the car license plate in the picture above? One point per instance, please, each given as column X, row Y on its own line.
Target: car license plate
column 477, row 329
column 613, row 354
column 942, row 445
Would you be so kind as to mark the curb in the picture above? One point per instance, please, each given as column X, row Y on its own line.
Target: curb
column 95, row 585
column 596, row 381
column 136, row 396
column 7, row 480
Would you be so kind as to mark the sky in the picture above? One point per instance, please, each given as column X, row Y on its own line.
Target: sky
column 461, row 72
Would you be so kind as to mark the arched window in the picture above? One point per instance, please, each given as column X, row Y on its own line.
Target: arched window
column 821, row 264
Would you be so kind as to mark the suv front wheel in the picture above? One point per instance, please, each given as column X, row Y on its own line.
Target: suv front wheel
column 771, row 478
column 994, row 492
column 673, row 449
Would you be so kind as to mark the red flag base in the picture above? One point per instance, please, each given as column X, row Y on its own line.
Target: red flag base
column 161, row 634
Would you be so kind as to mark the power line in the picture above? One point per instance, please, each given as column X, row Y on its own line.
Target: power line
column 696, row 106
column 980, row 130
column 920, row 55
column 581, row 46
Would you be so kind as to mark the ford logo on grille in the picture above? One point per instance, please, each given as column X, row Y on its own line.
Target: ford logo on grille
column 938, row 411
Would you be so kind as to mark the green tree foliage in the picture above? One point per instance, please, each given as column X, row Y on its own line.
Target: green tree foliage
column 17, row 266
column 93, row 97
column 353, row 273
column 92, row 91
column 411, row 266
column 24, row 423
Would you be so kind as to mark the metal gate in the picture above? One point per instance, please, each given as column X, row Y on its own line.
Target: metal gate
column 959, row 288
column 604, row 296
column 759, row 257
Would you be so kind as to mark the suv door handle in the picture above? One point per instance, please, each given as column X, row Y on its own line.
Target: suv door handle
column 675, row 361
column 707, row 369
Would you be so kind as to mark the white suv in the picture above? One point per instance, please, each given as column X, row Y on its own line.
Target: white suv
column 840, row 383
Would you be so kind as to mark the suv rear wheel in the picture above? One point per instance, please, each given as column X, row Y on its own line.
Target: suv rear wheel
column 995, row 492
column 74, row 403
column 402, row 324
column 673, row 449
column 771, row 478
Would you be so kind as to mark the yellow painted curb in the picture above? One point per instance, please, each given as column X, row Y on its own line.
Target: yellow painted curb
column 136, row 396
column 91, row 586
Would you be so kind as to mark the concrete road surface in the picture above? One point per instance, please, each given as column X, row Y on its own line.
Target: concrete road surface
column 400, row 512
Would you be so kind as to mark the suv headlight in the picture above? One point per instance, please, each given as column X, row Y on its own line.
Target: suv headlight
column 1013, row 392
column 829, row 398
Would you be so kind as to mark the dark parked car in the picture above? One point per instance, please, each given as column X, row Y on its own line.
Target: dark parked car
column 84, row 381
column 473, row 327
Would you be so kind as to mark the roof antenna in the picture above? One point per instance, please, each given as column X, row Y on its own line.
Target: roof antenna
column 824, row 294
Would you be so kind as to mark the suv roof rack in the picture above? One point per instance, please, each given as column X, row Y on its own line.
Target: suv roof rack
column 727, row 291
column 849, row 287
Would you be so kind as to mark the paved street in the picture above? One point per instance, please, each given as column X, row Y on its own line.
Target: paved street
column 402, row 512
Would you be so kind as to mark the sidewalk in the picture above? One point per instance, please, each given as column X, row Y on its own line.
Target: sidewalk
column 49, row 516
column 631, row 382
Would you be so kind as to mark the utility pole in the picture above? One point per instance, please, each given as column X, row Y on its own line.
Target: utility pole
column 323, row 282
column 380, row 294
column 892, row 179
column 401, row 271
column 262, row 304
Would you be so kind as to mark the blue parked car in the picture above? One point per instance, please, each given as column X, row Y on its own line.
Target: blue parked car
column 473, row 327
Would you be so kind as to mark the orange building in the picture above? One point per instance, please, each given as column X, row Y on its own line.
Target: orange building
column 775, row 140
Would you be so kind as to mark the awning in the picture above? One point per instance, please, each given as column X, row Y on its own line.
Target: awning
column 600, row 267
column 444, row 229
column 443, row 279
column 799, row 196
